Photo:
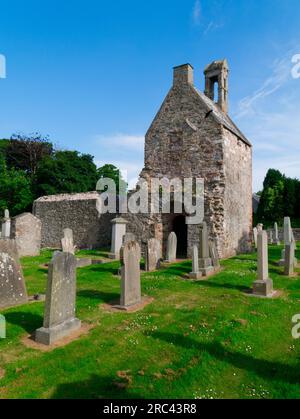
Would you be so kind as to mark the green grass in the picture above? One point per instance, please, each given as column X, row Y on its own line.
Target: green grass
column 204, row 339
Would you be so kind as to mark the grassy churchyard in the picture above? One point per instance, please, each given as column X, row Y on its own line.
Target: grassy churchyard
column 204, row 339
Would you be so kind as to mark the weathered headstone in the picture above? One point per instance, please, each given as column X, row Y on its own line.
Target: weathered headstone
column 213, row 254
column 26, row 229
column 255, row 232
column 205, row 263
column 271, row 236
column 118, row 232
column 130, row 275
column 12, row 284
column 128, row 237
column 6, row 225
column 263, row 286
column 287, row 231
column 171, row 248
column 196, row 274
column 67, row 242
column 152, row 255
column 276, row 235
column 59, row 315
column 289, row 266
column 260, row 227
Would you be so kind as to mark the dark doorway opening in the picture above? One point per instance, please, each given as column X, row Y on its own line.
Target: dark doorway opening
column 180, row 229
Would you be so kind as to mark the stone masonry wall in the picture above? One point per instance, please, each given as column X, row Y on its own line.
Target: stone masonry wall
column 81, row 213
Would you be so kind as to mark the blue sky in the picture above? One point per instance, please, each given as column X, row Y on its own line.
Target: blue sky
column 92, row 74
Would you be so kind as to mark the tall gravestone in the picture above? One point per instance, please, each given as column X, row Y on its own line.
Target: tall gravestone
column 289, row 266
column 118, row 232
column 195, row 274
column 12, row 285
column 288, row 238
column 260, row 227
column 205, row 263
column 152, row 255
column 67, row 242
column 59, row 315
column 130, row 275
column 6, row 225
column 255, row 232
column 276, row 235
column 171, row 248
column 263, row 286
column 271, row 236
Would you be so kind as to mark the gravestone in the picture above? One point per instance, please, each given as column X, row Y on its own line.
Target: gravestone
column 259, row 227
column 67, row 242
column 130, row 275
column 276, row 235
column 152, row 255
column 128, row 237
column 271, row 236
column 196, row 274
column 289, row 266
column 287, row 231
column 12, row 284
column 171, row 248
column 118, row 232
column 205, row 263
column 59, row 314
column 263, row 286
column 213, row 254
column 255, row 232
column 26, row 229
column 6, row 225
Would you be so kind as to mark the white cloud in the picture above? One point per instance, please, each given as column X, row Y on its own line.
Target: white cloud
column 197, row 12
column 126, row 141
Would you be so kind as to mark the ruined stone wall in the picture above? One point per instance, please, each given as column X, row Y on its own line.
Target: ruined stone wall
column 81, row 213
column 238, row 195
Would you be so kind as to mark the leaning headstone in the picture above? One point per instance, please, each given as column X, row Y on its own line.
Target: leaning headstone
column 12, row 284
column 196, row 274
column 276, row 235
column 59, row 315
column 118, row 232
column 130, row 275
column 255, row 237
column 6, row 225
column 263, row 286
column 171, row 248
column 213, row 254
column 205, row 263
column 289, row 266
column 26, row 229
column 152, row 255
column 67, row 242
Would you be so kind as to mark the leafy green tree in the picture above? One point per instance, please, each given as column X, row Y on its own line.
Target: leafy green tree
column 66, row 172
column 15, row 189
column 112, row 172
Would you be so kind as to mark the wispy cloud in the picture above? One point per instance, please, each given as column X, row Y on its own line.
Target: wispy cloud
column 270, row 119
column 212, row 26
column 197, row 13
column 124, row 141
column 281, row 73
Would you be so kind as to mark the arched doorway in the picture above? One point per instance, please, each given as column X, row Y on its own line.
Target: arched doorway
column 180, row 229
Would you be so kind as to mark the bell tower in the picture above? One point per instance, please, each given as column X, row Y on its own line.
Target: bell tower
column 217, row 72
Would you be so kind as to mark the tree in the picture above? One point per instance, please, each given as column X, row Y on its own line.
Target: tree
column 25, row 152
column 15, row 190
column 66, row 172
column 112, row 172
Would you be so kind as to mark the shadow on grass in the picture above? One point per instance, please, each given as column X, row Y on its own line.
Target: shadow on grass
column 105, row 297
column 96, row 387
column 104, row 268
column 266, row 369
column 242, row 288
column 28, row 321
